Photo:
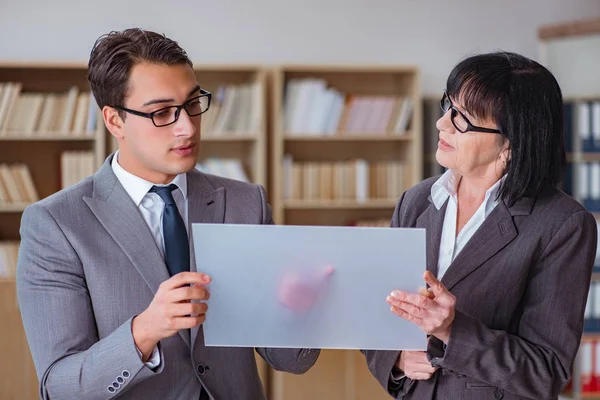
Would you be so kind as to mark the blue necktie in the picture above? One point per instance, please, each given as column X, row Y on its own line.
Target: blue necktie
column 177, row 249
column 177, row 253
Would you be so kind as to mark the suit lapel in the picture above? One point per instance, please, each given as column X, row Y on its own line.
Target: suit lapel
column 206, row 204
column 117, row 213
column 497, row 231
column 432, row 220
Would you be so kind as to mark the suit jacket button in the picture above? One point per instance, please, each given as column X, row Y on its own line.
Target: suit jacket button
column 498, row 395
column 201, row 369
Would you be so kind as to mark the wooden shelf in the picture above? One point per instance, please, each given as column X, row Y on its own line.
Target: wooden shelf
column 596, row 215
column 581, row 99
column 362, row 137
column 590, row 395
column 562, row 30
column 54, row 137
column 590, row 156
column 41, row 150
column 389, row 163
column 230, row 138
column 11, row 208
column 357, row 69
column 591, row 335
column 339, row 204
column 583, row 157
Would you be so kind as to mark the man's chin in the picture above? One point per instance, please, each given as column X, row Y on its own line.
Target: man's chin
column 183, row 168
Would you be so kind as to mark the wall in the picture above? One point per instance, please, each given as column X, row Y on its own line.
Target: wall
column 434, row 34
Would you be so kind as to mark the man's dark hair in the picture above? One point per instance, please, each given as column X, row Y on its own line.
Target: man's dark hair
column 116, row 53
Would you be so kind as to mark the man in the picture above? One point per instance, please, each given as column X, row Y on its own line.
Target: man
column 110, row 297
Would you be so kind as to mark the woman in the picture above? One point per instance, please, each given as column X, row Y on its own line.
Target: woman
column 509, row 256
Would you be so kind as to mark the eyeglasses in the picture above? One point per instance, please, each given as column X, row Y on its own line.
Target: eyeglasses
column 169, row 115
column 460, row 122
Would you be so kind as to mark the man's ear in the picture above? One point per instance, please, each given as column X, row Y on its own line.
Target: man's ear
column 113, row 122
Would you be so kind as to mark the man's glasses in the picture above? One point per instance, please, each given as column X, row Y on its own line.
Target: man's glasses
column 460, row 122
column 169, row 115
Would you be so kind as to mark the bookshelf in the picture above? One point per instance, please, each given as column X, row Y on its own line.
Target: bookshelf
column 372, row 119
column 431, row 113
column 582, row 130
column 569, row 51
column 233, row 144
column 49, row 136
column 346, row 141
column 234, row 131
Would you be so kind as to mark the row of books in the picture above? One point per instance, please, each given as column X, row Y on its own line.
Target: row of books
column 311, row 107
column 358, row 180
column 234, row 109
column 226, row 167
column 29, row 114
column 371, row 222
column 76, row 165
column 589, row 185
column 16, row 185
column 592, row 308
column 589, row 364
column 9, row 251
column 582, row 181
column 582, row 126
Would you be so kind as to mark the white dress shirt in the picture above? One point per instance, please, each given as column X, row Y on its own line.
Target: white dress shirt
column 451, row 244
column 151, row 207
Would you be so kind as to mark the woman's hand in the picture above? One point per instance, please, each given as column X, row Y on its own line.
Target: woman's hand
column 433, row 315
column 414, row 365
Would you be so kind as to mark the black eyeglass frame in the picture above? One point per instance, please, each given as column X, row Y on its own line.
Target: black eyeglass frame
column 470, row 126
column 203, row 93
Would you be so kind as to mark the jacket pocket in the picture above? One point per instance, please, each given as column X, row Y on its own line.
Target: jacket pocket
column 478, row 385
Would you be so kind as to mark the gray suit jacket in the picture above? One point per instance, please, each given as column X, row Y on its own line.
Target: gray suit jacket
column 521, row 285
column 88, row 264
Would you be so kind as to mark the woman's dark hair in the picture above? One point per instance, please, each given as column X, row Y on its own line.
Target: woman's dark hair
column 524, row 99
column 116, row 53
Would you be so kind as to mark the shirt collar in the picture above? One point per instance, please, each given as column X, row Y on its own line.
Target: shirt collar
column 446, row 187
column 137, row 187
column 443, row 188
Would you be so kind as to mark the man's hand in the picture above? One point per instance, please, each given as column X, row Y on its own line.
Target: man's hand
column 172, row 309
column 414, row 365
